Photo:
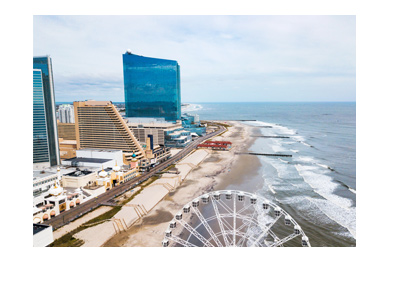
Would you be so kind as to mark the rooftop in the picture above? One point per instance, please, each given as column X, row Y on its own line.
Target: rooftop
column 95, row 103
column 68, row 141
column 37, row 174
column 100, row 150
column 39, row 227
column 79, row 173
column 139, row 122
column 87, row 160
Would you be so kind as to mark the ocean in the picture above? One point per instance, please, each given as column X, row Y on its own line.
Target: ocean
column 317, row 185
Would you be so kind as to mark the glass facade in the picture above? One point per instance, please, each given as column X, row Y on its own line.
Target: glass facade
column 192, row 123
column 177, row 138
column 40, row 146
column 152, row 87
column 45, row 66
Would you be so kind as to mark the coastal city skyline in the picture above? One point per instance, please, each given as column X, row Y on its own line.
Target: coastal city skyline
column 232, row 58
column 279, row 105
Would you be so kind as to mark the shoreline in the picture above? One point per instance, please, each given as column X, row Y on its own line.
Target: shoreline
column 217, row 170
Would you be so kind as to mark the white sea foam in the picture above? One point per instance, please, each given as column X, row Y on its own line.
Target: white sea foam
column 282, row 169
column 352, row 190
column 305, row 144
column 305, row 159
column 299, row 138
column 285, row 130
column 337, row 208
column 191, row 107
column 322, row 184
column 260, row 123
column 324, row 166
column 346, row 217
column 283, row 161
column 271, row 189
column 280, row 129
column 278, row 148
column 294, row 151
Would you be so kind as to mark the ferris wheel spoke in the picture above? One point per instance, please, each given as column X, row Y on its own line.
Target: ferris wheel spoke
column 207, row 226
column 267, row 229
column 241, row 234
column 275, row 237
column 243, row 239
column 284, row 240
column 234, row 222
column 250, row 220
column 225, row 206
column 181, row 241
column 247, row 221
column 219, row 219
column 194, row 232
column 246, row 207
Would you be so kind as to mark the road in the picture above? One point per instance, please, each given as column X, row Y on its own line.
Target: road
column 67, row 216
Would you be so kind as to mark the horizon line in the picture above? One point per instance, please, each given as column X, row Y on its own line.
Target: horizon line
column 349, row 101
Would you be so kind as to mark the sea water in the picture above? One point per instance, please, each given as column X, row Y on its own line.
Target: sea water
column 317, row 185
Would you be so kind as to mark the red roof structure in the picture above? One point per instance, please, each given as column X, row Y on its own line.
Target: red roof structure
column 216, row 145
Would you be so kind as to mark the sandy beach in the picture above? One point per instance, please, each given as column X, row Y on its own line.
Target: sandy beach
column 218, row 170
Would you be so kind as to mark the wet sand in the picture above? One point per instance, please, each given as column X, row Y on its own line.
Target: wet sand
column 217, row 171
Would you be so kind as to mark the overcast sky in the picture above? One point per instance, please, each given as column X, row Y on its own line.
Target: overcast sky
column 222, row 58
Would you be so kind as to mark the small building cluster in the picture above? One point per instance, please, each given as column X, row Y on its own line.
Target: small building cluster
column 191, row 123
column 78, row 180
column 55, row 201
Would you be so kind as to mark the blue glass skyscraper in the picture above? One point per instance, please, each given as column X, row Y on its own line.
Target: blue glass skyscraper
column 40, row 143
column 152, row 87
column 44, row 65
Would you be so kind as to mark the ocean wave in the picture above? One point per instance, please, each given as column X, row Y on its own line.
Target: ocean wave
column 283, row 130
column 347, row 187
column 322, row 184
column 305, row 159
column 325, row 166
column 299, row 138
column 335, row 207
column 294, row 151
column 344, row 217
column 271, row 189
column 278, row 148
column 191, row 107
column 283, row 161
column 306, row 144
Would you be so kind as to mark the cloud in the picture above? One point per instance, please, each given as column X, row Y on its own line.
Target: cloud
column 220, row 56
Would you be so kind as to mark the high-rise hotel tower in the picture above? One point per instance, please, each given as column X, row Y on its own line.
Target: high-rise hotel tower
column 98, row 125
column 45, row 136
column 152, row 87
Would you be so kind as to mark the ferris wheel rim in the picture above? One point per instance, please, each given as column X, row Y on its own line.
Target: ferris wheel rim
column 215, row 196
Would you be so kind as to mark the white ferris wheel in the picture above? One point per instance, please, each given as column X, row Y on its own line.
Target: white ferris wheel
column 231, row 218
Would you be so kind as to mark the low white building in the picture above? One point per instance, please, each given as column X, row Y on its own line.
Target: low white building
column 113, row 155
column 79, row 178
column 57, row 201
column 42, row 181
column 95, row 158
column 42, row 235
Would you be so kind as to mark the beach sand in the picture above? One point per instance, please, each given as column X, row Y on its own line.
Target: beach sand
column 76, row 223
column 217, row 171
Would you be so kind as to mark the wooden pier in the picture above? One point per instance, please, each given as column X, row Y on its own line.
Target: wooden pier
column 270, row 136
column 263, row 154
